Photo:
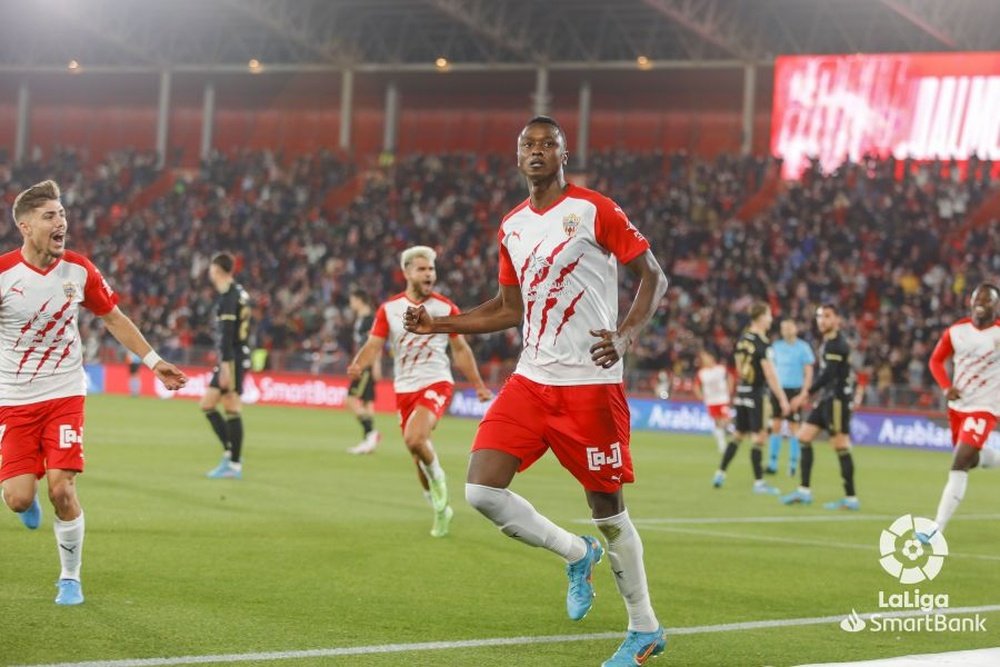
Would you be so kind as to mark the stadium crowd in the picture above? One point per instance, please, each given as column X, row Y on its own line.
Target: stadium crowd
column 886, row 240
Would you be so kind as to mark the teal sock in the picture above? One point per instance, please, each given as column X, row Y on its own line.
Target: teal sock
column 793, row 452
column 774, row 448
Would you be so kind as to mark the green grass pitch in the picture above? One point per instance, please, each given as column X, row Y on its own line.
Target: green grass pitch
column 317, row 549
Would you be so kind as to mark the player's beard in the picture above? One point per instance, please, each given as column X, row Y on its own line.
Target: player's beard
column 422, row 290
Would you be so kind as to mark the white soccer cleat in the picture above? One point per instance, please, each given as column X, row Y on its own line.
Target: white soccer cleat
column 368, row 445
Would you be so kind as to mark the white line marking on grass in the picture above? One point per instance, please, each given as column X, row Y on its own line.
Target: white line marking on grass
column 826, row 544
column 499, row 641
column 818, row 518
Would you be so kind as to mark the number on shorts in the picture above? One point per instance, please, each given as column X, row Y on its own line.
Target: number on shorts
column 3, row 429
column 597, row 459
column 435, row 398
column 976, row 425
column 69, row 436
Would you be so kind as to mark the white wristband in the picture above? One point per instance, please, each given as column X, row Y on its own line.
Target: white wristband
column 151, row 359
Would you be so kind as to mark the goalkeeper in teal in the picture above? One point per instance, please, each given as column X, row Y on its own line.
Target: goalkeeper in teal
column 793, row 360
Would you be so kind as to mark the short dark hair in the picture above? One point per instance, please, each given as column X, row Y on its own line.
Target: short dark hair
column 362, row 296
column 990, row 286
column 35, row 196
column 224, row 261
column 831, row 307
column 547, row 120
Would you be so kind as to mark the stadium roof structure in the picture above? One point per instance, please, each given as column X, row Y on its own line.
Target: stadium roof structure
column 404, row 35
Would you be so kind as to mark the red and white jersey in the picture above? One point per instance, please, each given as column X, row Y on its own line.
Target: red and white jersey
column 418, row 360
column 565, row 260
column 41, row 357
column 714, row 383
column 975, row 355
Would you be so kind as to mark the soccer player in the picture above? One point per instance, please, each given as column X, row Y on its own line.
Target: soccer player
column 559, row 280
column 973, row 393
column 422, row 372
column 835, row 386
column 793, row 361
column 754, row 370
column 714, row 385
column 361, row 393
column 42, row 383
column 232, row 314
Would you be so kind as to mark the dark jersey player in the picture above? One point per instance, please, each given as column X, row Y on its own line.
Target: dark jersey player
column 361, row 393
column 834, row 389
column 755, row 373
column 232, row 313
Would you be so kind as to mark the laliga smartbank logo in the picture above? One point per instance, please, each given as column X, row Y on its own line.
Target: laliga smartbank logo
column 912, row 552
column 906, row 556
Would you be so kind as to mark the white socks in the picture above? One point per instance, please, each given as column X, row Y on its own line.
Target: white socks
column 952, row 495
column 432, row 470
column 516, row 518
column 69, row 541
column 625, row 554
column 720, row 439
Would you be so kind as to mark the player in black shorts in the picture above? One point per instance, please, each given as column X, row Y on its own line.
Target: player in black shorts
column 361, row 393
column 232, row 313
column 755, row 373
column 835, row 390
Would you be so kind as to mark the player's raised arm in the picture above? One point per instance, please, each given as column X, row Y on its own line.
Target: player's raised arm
column 125, row 331
column 503, row 311
column 652, row 286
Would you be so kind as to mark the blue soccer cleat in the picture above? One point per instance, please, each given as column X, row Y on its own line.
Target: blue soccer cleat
column 580, row 596
column 637, row 648
column 849, row 504
column 762, row 488
column 32, row 517
column 925, row 538
column 719, row 478
column 70, row 592
column 797, row 497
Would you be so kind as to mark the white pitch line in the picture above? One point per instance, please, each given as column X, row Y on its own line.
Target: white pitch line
column 499, row 641
column 826, row 544
column 818, row 518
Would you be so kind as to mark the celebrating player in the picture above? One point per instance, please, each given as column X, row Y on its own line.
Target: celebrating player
column 793, row 362
column 559, row 280
column 422, row 378
column 42, row 383
column 755, row 370
column 232, row 314
column 714, row 385
column 832, row 413
column 973, row 393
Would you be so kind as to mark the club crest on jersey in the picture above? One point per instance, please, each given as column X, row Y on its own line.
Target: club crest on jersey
column 69, row 289
column 570, row 223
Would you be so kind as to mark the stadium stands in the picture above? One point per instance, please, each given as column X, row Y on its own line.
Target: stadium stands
column 888, row 241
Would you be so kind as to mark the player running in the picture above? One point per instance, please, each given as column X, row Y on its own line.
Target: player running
column 422, row 372
column 973, row 393
column 42, row 382
column 559, row 253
